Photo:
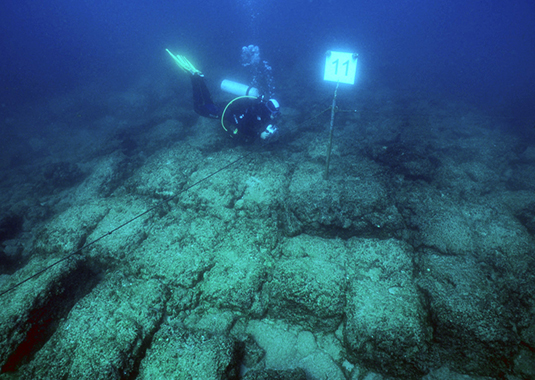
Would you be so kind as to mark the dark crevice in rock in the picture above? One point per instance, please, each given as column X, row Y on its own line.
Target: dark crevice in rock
column 48, row 310
column 147, row 342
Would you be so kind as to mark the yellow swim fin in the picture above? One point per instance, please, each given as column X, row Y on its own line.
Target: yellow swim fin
column 184, row 63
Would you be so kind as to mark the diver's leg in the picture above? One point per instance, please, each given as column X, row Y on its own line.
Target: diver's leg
column 202, row 101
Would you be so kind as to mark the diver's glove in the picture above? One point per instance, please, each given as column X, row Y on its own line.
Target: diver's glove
column 270, row 132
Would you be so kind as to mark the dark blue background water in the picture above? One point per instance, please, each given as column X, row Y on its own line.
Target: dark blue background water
column 480, row 51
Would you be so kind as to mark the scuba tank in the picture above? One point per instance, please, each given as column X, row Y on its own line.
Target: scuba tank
column 239, row 89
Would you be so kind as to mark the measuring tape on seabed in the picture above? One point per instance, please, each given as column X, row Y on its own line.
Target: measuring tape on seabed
column 124, row 224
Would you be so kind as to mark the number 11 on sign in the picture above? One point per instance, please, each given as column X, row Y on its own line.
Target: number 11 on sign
column 340, row 67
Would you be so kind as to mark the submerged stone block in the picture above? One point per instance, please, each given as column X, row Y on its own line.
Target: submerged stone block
column 104, row 333
column 386, row 326
column 471, row 324
column 178, row 353
column 309, row 292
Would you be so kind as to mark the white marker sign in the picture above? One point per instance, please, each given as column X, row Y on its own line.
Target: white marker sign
column 340, row 67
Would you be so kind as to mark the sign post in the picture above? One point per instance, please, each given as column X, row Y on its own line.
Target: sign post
column 339, row 68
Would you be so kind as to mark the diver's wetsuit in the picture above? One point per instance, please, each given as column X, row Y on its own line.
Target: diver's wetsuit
column 244, row 117
column 202, row 101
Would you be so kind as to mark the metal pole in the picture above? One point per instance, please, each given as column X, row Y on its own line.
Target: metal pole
column 333, row 110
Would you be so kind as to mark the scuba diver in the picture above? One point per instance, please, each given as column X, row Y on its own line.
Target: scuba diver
column 248, row 117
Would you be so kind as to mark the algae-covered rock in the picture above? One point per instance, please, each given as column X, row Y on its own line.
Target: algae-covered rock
column 104, row 333
column 69, row 230
column 345, row 207
column 177, row 265
column 307, row 291
column 272, row 374
column 412, row 160
column 386, row 323
column 106, row 174
column 178, row 353
column 251, row 188
column 116, row 235
column 458, row 227
column 235, row 283
column 165, row 173
column 470, row 179
column 471, row 323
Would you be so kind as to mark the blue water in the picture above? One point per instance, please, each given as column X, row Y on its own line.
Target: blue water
column 480, row 51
